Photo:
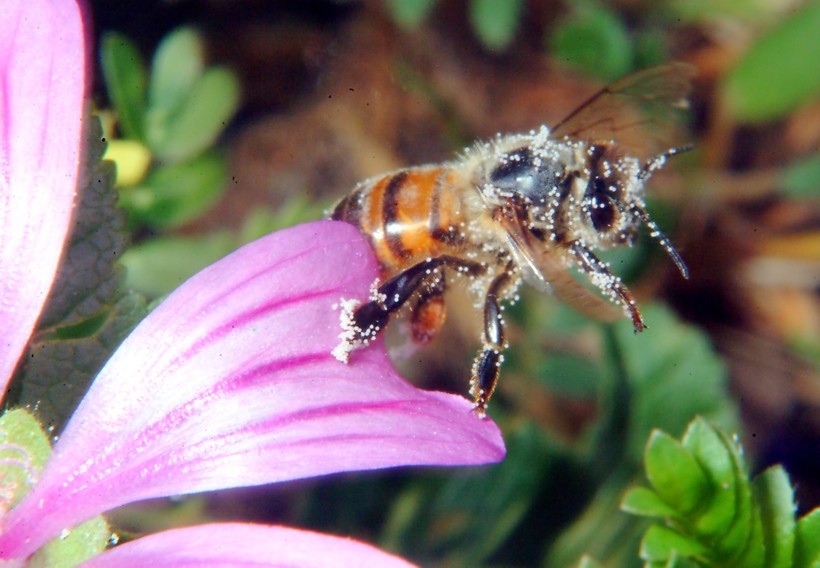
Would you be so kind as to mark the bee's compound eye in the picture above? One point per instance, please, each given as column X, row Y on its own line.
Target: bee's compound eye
column 601, row 212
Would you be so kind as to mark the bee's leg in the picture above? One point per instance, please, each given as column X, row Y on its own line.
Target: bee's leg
column 607, row 282
column 429, row 312
column 365, row 323
column 487, row 365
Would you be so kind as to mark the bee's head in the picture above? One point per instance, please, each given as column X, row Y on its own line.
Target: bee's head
column 612, row 202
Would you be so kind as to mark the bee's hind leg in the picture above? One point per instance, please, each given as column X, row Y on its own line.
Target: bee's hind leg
column 429, row 312
column 487, row 365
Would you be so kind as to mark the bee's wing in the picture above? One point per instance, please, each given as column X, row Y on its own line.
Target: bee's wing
column 639, row 111
column 543, row 270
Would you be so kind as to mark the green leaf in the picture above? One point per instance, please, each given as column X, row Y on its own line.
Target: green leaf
column 646, row 503
column 24, row 449
column 802, row 179
column 178, row 64
column 659, row 543
column 159, row 265
column 775, row 496
column 125, row 80
column 495, row 21
column 179, row 133
column 807, row 541
column 408, row 14
column 74, row 546
column 173, row 195
column 674, row 473
column 780, row 71
column 87, row 313
column 716, row 459
column 594, row 40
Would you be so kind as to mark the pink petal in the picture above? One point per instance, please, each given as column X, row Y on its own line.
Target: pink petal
column 41, row 99
column 230, row 382
column 244, row 545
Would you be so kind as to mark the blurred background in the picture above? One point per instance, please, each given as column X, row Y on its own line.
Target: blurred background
column 254, row 115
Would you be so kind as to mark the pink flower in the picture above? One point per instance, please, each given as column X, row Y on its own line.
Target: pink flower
column 230, row 382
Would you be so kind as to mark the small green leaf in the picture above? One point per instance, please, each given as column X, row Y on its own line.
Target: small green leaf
column 178, row 64
column 178, row 134
column 24, row 449
column 646, row 503
column 74, row 546
column 159, row 265
column 715, row 458
column 408, row 14
column 674, row 473
column 802, row 179
column 594, row 40
column 659, row 543
column 495, row 21
column 807, row 541
column 780, row 71
column 125, row 80
column 775, row 497
column 173, row 195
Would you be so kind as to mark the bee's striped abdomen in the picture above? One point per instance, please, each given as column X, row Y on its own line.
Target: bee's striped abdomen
column 407, row 215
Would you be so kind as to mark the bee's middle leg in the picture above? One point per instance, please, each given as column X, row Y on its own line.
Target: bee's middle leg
column 487, row 365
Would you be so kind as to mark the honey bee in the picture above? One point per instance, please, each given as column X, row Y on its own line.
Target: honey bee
column 522, row 207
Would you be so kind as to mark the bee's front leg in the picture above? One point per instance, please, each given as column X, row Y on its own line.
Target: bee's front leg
column 362, row 324
column 487, row 365
column 607, row 282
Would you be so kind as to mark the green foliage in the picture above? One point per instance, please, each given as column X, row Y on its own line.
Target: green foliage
column 594, row 39
column 87, row 314
column 409, row 13
column 126, row 80
column 714, row 514
column 802, row 179
column 495, row 21
column 157, row 266
column 177, row 116
column 24, row 450
column 779, row 72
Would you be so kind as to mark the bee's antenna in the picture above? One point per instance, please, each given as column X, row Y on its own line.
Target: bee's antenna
column 658, row 161
column 655, row 233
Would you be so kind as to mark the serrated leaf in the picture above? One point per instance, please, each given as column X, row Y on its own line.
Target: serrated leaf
column 736, row 540
column 177, row 134
column 178, row 63
column 85, row 316
column 775, row 497
column 646, row 503
column 59, row 369
column 408, row 14
column 779, row 72
column 173, row 195
column 807, row 541
column 715, row 459
column 88, row 279
column 674, row 473
column 595, row 40
column 753, row 552
column 659, row 543
column 125, row 80
column 495, row 21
